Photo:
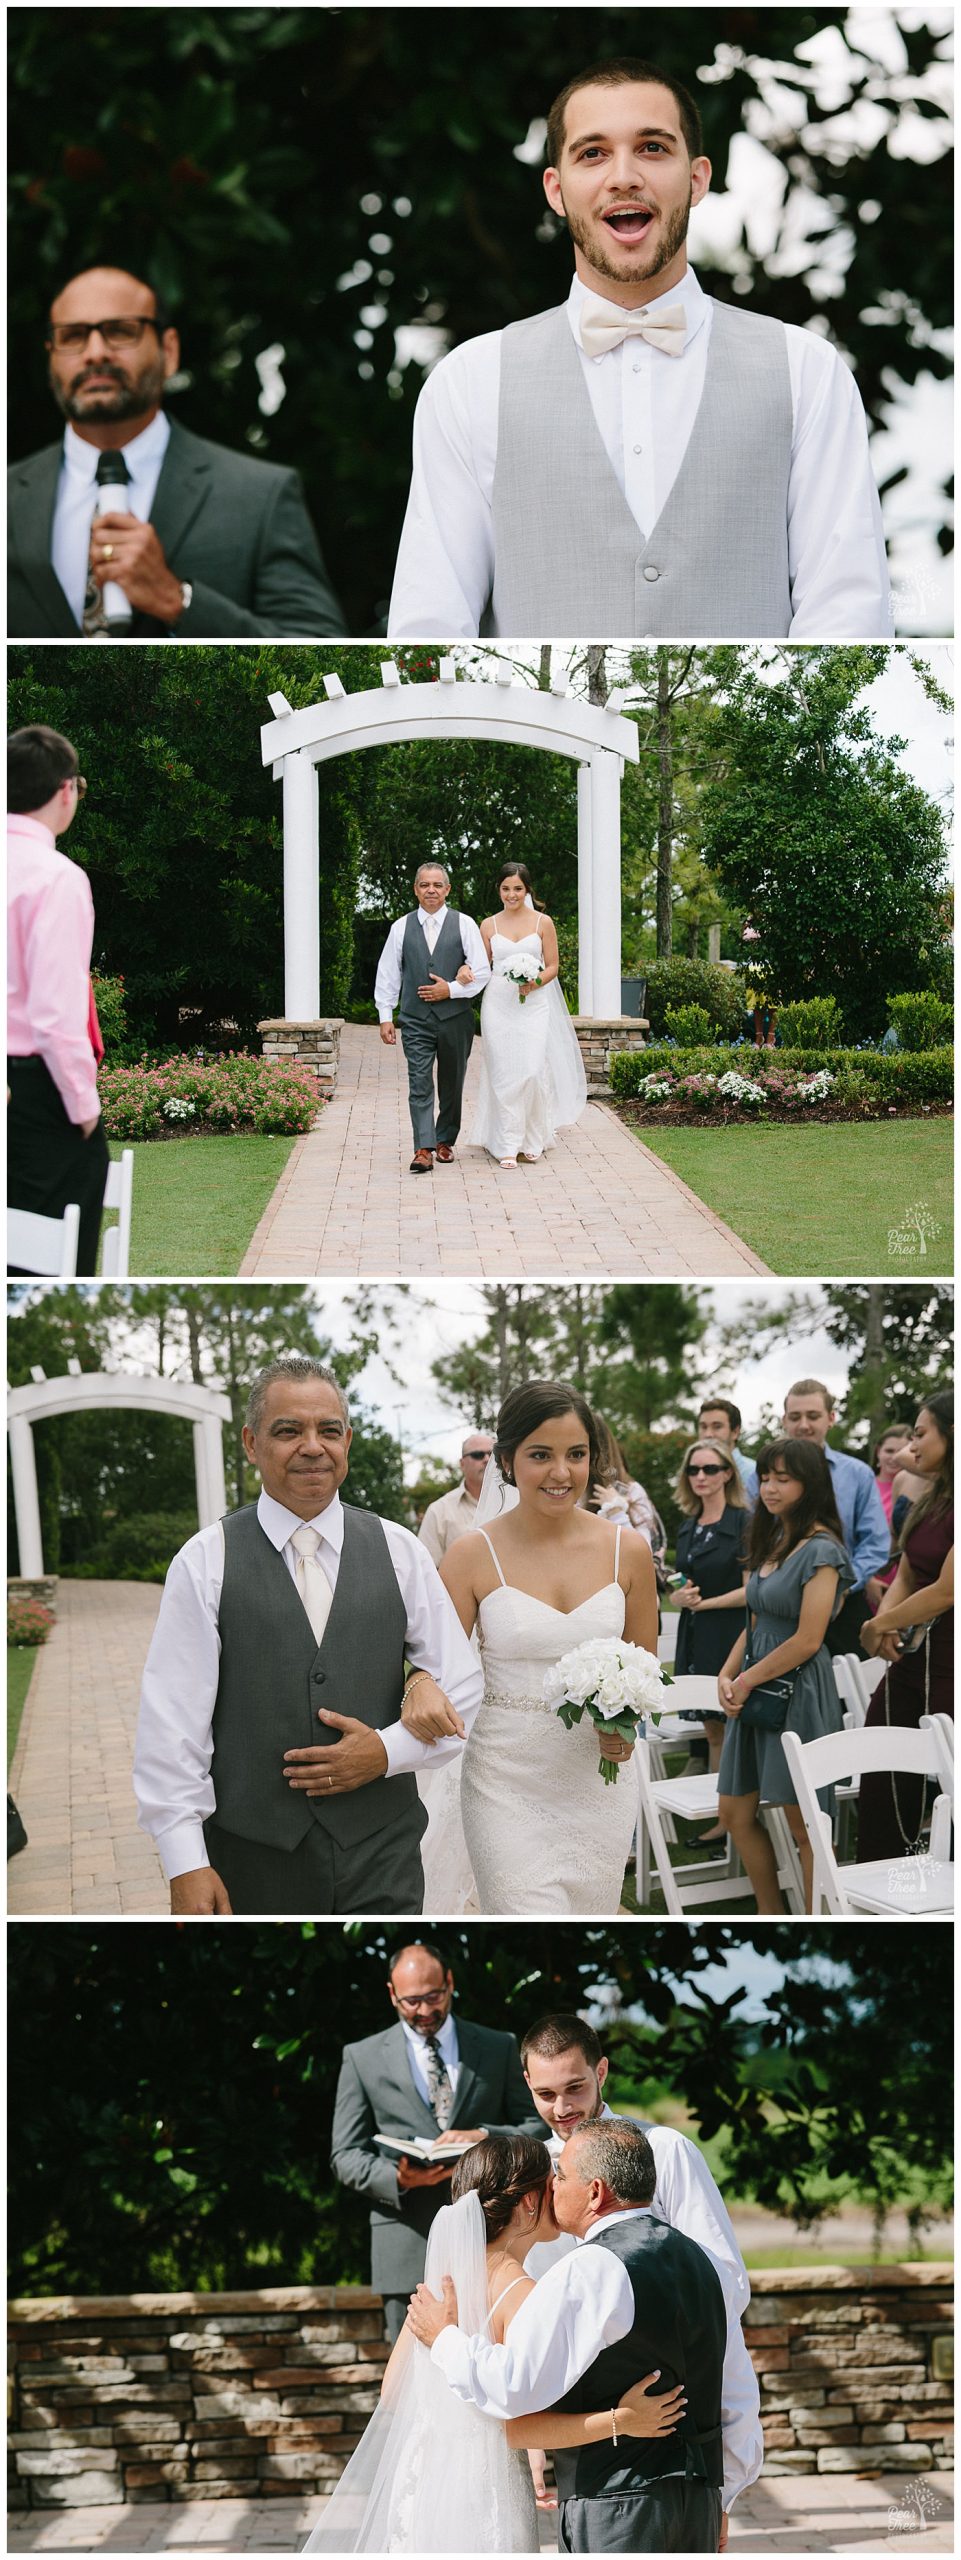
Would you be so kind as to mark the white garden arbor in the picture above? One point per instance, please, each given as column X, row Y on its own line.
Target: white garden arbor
column 508, row 711
column 85, row 1391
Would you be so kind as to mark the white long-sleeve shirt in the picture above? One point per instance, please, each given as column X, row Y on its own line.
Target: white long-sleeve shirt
column 582, row 2305
column 645, row 404
column 181, row 1676
column 387, row 981
column 688, row 2198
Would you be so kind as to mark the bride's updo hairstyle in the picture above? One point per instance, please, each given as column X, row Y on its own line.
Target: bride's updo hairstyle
column 499, row 2172
column 519, row 871
column 526, row 1408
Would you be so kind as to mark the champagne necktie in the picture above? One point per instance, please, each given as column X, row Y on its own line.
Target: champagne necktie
column 312, row 1582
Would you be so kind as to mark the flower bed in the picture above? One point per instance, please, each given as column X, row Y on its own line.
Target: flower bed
column 28, row 1622
column 188, row 1097
column 686, row 1085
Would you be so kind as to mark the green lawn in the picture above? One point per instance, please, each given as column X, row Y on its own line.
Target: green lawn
column 196, row 1201
column 821, row 1200
column 20, row 1662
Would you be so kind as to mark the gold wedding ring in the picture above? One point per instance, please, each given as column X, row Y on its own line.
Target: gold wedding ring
column 108, row 550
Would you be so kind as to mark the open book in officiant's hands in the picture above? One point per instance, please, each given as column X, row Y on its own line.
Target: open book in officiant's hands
column 427, row 2147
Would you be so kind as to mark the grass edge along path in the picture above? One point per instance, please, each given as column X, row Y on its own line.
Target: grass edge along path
column 813, row 1202
column 20, row 1663
column 197, row 1201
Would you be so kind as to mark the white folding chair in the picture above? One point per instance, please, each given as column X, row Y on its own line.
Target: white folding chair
column 914, row 1888
column 673, row 1731
column 115, row 1248
column 662, row 1803
column 667, row 1640
column 48, row 1246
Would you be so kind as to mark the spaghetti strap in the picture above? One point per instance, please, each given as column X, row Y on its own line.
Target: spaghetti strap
column 483, row 1533
column 516, row 2280
column 617, row 1550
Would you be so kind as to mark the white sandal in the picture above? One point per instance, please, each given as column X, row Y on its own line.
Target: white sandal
column 508, row 1163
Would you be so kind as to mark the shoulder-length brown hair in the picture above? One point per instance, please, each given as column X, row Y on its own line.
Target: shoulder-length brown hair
column 938, row 1496
column 817, row 1507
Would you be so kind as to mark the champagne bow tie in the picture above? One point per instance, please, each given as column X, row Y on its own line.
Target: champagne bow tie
column 603, row 326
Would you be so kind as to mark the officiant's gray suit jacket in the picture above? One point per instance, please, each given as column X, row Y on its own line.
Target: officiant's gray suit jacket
column 235, row 529
column 376, row 2093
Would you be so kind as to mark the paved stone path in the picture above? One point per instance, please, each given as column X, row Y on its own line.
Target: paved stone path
column 836, row 2511
column 599, row 1205
column 71, row 1770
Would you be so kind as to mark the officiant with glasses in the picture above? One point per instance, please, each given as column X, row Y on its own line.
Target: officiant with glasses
column 431, row 2077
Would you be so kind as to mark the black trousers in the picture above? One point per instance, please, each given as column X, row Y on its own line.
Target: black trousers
column 384, row 1873
column 49, row 1161
column 666, row 2515
column 440, row 1043
column 844, row 1633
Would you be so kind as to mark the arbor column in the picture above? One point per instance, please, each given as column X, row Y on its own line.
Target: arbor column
column 215, row 1480
column 26, row 1500
column 585, row 917
column 605, row 788
column 301, row 890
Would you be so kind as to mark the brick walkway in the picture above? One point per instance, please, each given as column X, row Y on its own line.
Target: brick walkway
column 599, row 1204
column 71, row 1770
column 836, row 2511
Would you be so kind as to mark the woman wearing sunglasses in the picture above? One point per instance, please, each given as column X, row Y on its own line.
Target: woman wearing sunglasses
column 711, row 1552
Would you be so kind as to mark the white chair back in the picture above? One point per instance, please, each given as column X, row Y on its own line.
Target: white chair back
column 48, row 1246
column 667, row 1640
column 854, row 1753
column 115, row 1247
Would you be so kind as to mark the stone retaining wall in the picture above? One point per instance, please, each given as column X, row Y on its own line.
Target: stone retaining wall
column 131, row 2398
column 305, row 1044
column 598, row 1041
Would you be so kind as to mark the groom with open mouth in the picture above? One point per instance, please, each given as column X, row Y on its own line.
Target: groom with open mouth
column 643, row 461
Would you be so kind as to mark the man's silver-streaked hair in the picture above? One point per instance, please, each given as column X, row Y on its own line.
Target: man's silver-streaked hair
column 291, row 1365
column 431, row 866
column 620, row 2153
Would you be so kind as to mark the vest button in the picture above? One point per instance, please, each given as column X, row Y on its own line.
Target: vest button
column 318, row 1678
column 652, row 573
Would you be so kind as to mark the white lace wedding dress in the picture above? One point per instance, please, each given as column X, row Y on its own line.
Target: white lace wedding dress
column 543, row 1831
column 532, row 1079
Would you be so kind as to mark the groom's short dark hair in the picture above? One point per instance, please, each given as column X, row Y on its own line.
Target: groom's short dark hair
column 561, row 2031
column 619, row 75
column 619, row 2153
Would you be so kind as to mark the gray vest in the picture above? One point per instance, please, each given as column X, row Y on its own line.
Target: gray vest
column 274, row 1677
column 416, row 963
column 569, row 558
column 680, row 2326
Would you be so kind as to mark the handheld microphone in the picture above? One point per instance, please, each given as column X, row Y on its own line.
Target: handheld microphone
column 112, row 481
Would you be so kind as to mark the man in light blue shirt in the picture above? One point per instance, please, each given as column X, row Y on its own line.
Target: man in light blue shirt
column 721, row 1420
column 809, row 1414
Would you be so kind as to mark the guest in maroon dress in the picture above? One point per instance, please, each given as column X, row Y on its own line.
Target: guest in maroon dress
column 892, row 1807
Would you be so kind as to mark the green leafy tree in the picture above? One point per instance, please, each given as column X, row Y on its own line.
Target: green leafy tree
column 186, row 142
column 182, row 2140
column 900, row 1347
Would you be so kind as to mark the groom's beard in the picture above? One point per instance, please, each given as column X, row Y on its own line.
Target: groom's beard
column 588, row 233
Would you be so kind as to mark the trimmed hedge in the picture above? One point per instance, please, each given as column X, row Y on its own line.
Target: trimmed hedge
column 187, row 1098
column 920, row 1076
column 671, row 983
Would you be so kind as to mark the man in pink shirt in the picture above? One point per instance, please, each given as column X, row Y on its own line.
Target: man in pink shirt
column 57, row 1151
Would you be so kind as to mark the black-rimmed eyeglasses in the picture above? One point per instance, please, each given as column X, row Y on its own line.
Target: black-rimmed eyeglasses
column 69, row 334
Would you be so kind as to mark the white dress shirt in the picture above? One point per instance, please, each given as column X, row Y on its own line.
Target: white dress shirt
column 446, row 2038
column 451, row 1517
column 583, row 2304
column 645, row 403
column 175, row 1733
column 387, row 981
column 75, row 504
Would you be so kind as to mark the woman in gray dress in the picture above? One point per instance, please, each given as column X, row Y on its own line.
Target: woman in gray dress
column 798, row 1574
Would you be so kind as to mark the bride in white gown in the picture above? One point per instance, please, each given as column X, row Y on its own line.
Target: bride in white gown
column 532, row 1079
column 431, row 2472
column 543, row 1832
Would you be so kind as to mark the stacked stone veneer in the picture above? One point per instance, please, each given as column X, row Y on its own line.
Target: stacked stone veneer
column 305, row 1044
column 201, row 2395
column 598, row 1041
column 855, row 2367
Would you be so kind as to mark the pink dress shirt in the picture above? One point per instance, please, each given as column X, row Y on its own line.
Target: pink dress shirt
column 49, row 942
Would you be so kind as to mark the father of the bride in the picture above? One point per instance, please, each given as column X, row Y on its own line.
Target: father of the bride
column 431, row 2074
column 637, row 2297
column 432, row 963
column 643, row 460
column 271, row 1767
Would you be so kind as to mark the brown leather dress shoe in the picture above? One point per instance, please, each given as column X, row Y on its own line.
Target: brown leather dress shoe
column 445, row 1155
column 423, row 1161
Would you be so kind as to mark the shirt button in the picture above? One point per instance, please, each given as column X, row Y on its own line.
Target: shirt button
column 638, row 448
column 636, row 366
column 652, row 573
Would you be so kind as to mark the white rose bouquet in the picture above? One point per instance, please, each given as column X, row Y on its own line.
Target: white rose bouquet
column 521, row 971
column 613, row 1682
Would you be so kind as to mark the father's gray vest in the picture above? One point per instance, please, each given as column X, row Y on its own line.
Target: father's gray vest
column 274, row 1677
column 569, row 558
column 417, row 961
column 680, row 2326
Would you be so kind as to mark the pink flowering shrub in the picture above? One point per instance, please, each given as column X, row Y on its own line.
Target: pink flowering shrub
column 28, row 1622
column 191, row 1097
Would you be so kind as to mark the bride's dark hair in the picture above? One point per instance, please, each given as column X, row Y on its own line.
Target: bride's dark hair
column 542, row 1400
column 519, row 871
column 499, row 2172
